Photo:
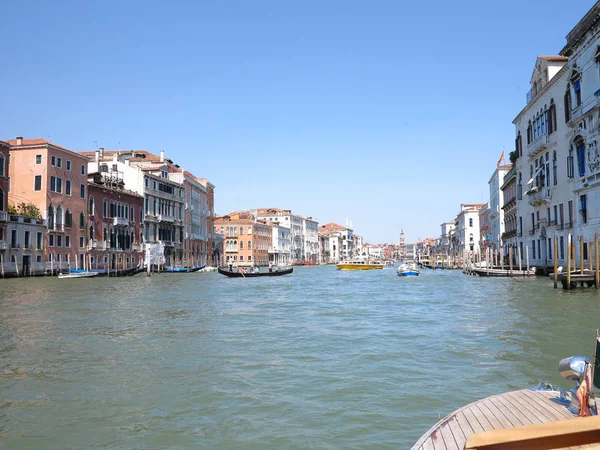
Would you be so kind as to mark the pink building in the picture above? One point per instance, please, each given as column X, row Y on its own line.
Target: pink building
column 54, row 179
column 4, row 155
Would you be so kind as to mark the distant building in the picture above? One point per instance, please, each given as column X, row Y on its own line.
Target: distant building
column 467, row 229
column 341, row 240
column 484, row 227
column 246, row 240
column 496, row 216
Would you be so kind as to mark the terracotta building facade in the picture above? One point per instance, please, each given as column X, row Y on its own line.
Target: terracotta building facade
column 54, row 179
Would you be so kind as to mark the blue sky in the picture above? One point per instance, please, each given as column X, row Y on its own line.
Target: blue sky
column 385, row 112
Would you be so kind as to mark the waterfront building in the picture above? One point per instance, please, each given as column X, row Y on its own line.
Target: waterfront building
column 510, row 235
column 372, row 251
column 358, row 244
column 582, row 132
column 445, row 237
column 342, row 244
column 246, row 239
column 151, row 176
column 324, row 248
column 213, row 240
column 484, row 227
column 279, row 250
column 115, row 222
column 467, row 229
column 196, row 219
column 541, row 159
column 4, row 155
column 496, row 217
column 310, row 234
column 304, row 233
column 54, row 179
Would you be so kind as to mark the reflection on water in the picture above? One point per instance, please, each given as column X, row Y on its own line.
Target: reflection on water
column 320, row 358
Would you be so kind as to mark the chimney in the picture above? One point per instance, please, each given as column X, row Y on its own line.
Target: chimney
column 162, row 156
column 19, row 140
column 101, row 151
column 115, row 156
column 97, row 156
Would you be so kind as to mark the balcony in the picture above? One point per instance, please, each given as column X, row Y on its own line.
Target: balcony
column 120, row 222
column 150, row 218
column 163, row 218
column 96, row 245
column 552, row 223
column 136, row 247
column 57, row 227
column 3, row 245
column 539, row 196
column 568, row 225
column 3, row 216
column 538, row 145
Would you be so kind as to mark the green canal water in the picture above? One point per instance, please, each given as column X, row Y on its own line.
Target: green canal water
column 318, row 359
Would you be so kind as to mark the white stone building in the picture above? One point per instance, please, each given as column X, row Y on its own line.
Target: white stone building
column 151, row 175
column 467, row 230
column 279, row 253
column 496, row 217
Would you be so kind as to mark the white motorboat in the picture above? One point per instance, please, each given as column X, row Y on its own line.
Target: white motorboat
column 77, row 274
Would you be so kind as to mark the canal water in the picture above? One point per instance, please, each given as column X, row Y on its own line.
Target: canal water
column 317, row 359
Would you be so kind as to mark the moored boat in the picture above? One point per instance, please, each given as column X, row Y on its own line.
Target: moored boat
column 241, row 273
column 359, row 264
column 77, row 274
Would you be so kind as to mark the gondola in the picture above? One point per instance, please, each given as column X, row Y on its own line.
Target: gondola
column 274, row 273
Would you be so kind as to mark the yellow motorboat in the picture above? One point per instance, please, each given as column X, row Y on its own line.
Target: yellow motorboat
column 359, row 265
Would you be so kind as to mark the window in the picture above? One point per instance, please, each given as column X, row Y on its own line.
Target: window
column 82, row 191
column 59, row 163
column 567, row 105
column 549, row 248
column 83, row 170
column 51, row 240
column 581, row 157
column 562, row 247
column 68, row 187
column 570, row 211
column 81, row 221
column 241, row 245
column 249, row 257
column 561, row 208
column 37, row 183
column 53, row 161
column 81, row 242
column 38, row 159
column 577, row 90
column 91, row 205
column 59, row 240
column 52, row 184
column 38, row 241
column 68, row 219
column 570, row 165
column 2, row 166
column 241, row 257
column 249, row 245
column 27, row 242
column 104, row 208
column 583, row 207
column 533, row 248
column 67, row 241
column 68, row 165
column 241, row 230
column 147, row 182
column 554, row 169
column 59, row 185
column 470, row 222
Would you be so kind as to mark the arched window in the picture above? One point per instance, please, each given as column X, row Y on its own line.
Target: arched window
column 68, row 219
column 50, row 217
column 580, row 149
column 241, row 245
column 91, row 205
column 81, row 221
column 104, row 208
column 59, row 215
column 2, row 166
column 470, row 222
column 92, row 232
column 105, row 234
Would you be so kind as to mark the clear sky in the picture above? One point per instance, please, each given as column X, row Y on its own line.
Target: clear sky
column 386, row 112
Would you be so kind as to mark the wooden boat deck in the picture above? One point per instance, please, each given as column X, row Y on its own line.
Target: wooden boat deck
column 511, row 409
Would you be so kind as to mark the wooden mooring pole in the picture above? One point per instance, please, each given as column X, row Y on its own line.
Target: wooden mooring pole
column 555, row 262
column 581, row 244
column 569, row 249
